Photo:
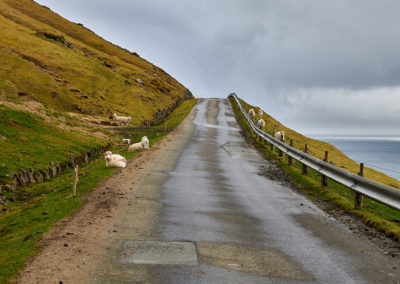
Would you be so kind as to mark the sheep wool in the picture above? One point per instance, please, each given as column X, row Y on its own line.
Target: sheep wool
column 261, row 123
column 122, row 119
column 145, row 142
column 252, row 112
column 114, row 160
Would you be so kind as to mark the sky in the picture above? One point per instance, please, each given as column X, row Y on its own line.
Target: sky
column 318, row 66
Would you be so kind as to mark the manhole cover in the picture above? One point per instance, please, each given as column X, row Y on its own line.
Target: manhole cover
column 153, row 252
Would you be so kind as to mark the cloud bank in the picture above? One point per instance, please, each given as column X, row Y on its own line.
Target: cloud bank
column 315, row 65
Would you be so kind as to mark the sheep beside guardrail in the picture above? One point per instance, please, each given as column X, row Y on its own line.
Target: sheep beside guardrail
column 361, row 186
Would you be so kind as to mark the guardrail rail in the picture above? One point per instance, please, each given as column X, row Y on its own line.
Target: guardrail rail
column 360, row 185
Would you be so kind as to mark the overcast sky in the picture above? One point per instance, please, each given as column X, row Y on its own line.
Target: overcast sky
column 320, row 67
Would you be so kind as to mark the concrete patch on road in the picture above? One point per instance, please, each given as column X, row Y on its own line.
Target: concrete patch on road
column 157, row 252
column 256, row 260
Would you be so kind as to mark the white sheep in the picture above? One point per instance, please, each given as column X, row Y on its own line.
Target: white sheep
column 123, row 119
column 261, row 123
column 260, row 113
column 252, row 112
column 145, row 142
column 114, row 160
column 280, row 135
column 135, row 147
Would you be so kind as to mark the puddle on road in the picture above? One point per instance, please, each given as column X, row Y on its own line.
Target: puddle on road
column 232, row 218
column 250, row 259
column 235, row 149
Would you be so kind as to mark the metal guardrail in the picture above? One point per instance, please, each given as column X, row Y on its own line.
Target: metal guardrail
column 379, row 192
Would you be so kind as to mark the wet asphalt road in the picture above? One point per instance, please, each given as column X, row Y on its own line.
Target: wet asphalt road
column 215, row 219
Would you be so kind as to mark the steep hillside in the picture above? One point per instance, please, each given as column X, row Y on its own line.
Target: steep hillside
column 67, row 67
column 59, row 84
column 317, row 149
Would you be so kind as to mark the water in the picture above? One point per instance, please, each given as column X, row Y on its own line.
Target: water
column 380, row 153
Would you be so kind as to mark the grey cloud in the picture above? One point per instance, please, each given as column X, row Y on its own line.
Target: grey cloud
column 260, row 49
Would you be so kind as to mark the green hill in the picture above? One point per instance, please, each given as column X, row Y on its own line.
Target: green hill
column 59, row 81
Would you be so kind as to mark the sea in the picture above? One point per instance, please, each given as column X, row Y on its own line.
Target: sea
column 379, row 153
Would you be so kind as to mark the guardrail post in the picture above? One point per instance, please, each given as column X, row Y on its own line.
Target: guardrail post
column 290, row 159
column 358, row 200
column 305, row 168
column 272, row 147
column 324, row 179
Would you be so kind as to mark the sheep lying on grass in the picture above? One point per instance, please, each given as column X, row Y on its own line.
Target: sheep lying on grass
column 114, row 160
column 261, row 123
column 280, row 135
column 252, row 112
column 122, row 119
column 260, row 113
column 144, row 144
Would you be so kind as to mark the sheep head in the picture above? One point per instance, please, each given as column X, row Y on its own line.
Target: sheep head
column 108, row 155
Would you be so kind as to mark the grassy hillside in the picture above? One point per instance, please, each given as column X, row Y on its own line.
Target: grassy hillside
column 22, row 221
column 317, row 149
column 59, row 81
column 69, row 68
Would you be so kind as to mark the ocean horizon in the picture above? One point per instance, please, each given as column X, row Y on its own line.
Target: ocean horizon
column 381, row 153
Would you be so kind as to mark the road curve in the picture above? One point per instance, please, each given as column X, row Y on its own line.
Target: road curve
column 206, row 214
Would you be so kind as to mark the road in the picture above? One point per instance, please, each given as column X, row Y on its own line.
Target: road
column 211, row 217
column 199, row 208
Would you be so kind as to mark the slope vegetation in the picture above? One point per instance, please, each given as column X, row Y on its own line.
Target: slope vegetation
column 317, row 149
column 60, row 82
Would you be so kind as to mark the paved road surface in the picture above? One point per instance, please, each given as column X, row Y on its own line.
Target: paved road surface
column 206, row 215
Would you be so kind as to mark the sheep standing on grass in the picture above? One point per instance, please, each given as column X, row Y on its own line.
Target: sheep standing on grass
column 122, row 119
column 261, row 123
column 280, row 135
column 252, row 112
column 144, row 144
column 260, row 113
column 114, row 160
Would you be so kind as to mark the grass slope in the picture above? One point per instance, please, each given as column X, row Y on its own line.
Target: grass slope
column 37, row 207
column 57, row 77
column 93, row 76
column 32, row 141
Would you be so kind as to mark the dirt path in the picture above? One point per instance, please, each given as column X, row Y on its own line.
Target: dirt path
column 72, row 250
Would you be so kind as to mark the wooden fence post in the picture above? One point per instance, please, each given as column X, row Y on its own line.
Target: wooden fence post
column 358, row 200
column 280, row 151
column 305, row 168
column 324, row 179
column 290, row 159
column 75, row 180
